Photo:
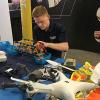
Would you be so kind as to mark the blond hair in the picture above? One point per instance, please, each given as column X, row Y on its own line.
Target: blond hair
column 39, row 11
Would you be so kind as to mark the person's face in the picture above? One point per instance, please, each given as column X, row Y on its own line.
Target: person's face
column 42, row 21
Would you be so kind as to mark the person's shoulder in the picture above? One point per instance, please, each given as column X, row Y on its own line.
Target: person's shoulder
column 58, row 25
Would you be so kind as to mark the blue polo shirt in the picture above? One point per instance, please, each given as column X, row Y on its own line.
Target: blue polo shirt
column 55, row 34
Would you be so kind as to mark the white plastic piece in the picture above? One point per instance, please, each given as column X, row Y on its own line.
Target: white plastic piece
column 19, row 80
column 96, row 74
column 58, row 64
column 2, row 53
column 3, row 57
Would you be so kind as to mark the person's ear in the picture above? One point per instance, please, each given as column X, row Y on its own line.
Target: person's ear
column 49, row 16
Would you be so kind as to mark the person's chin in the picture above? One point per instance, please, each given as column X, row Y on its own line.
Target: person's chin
column 99, row 20
column 42, row 28
column 98, row 40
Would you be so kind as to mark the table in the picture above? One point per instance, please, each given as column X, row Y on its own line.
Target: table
column 81, row 56
column 15, row 94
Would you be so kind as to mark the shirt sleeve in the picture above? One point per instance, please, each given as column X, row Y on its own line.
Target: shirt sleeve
column 62, row 37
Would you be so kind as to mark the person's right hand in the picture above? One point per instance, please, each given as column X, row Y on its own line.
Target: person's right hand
column 37, row 45
column 97, row 34
column 40, row 46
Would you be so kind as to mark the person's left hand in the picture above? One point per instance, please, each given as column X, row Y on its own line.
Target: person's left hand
column 44, row 43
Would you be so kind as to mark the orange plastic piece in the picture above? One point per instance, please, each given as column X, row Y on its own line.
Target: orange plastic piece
column 94, row 95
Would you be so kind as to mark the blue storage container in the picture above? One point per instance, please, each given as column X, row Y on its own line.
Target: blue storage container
column 42, row 61
column 12, row 50
column 8, row 48
column 4, row 45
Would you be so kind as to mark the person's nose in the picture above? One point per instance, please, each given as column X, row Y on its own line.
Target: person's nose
column 40, row 24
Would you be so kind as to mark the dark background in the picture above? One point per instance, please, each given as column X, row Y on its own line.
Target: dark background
column 80, row 23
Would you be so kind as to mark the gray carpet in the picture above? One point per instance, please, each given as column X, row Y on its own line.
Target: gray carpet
column 81, row 56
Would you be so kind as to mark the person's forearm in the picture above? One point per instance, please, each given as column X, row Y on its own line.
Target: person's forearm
column 58, row 46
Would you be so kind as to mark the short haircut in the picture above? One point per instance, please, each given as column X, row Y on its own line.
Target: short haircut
column 39, row 11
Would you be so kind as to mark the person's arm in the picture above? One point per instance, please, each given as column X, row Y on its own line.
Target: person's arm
column 57, row 46
column 62, row 45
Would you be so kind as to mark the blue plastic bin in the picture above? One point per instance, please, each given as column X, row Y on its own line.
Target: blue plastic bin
column 12, row 50
column 43, row 61
column 4, row 45
column 8, row 48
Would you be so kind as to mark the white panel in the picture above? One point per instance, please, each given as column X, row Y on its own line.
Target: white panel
column 51, row 3
column 5, row 25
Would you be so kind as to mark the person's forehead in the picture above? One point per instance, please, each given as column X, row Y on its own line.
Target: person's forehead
column 98, row 13
column 41, row 18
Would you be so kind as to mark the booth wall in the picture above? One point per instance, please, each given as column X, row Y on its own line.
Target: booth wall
column 80, row 23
